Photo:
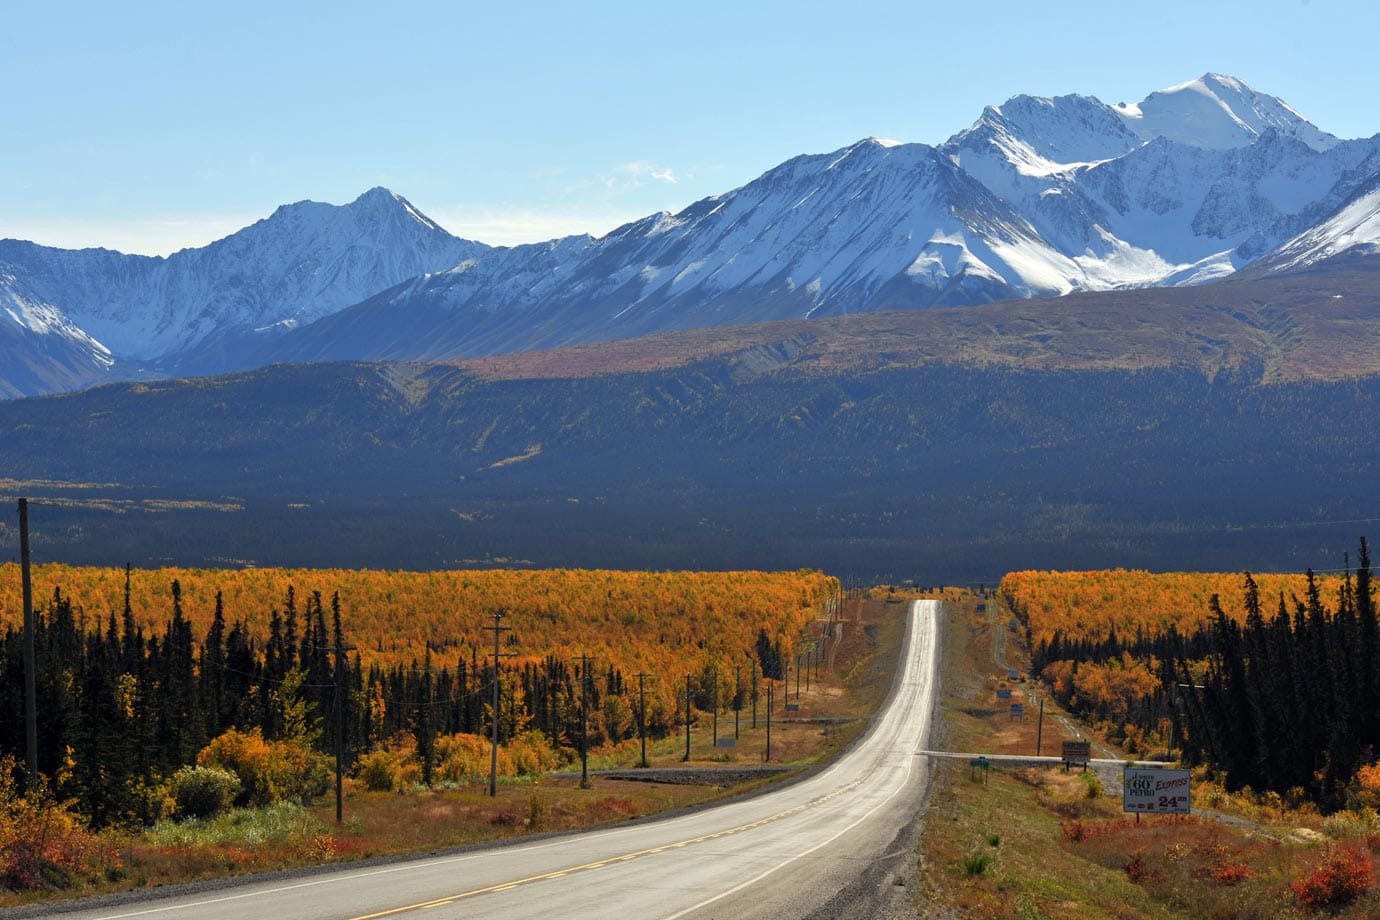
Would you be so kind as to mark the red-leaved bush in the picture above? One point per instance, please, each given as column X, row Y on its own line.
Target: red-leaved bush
column 1135, row 868
column 1344, row 875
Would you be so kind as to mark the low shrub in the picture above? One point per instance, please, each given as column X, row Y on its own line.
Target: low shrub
column 43, row 843
column 976, row 863
column 200, row 792
column 269, row 771
column 1344, row 875
column 376, row 771
column 286, row 824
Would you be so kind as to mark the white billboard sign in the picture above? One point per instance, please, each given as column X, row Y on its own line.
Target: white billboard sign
column 1155, row 792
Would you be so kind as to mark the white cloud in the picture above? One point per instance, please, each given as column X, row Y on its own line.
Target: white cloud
column 637, row 173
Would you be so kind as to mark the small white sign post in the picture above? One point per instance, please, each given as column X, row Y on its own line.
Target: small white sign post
column 1155, row 792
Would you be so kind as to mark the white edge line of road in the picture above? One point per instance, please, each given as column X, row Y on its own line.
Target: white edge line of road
column 910, row 762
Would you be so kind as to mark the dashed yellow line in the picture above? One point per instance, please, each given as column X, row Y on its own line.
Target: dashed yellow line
column 560, row 873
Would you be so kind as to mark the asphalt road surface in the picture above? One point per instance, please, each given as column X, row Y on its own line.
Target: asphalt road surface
column 781, row 855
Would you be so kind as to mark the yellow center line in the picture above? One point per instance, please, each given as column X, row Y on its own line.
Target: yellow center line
column 559, row 873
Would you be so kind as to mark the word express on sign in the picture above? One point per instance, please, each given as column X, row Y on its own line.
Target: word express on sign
column 1155, row 792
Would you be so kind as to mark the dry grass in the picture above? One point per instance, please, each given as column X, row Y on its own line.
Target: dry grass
column 1062, row 854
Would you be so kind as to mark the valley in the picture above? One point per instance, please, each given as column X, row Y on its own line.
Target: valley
column 511, row 534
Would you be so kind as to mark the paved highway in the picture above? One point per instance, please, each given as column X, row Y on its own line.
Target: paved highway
column 779, row 855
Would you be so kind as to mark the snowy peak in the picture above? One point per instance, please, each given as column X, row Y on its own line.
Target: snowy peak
column 302, row 262
column 380, row 202
column 1218, row 112
column 1042, row 135
column 378, row 213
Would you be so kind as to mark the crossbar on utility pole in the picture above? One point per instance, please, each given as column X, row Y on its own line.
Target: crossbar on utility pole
column 30, row 653
column 493, row 748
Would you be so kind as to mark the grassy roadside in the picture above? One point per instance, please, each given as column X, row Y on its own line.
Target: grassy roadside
column 1040, row 843
column 834, row 707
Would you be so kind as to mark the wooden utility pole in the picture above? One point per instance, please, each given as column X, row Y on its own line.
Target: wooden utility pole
column 584, row 720
column 340, row 651
column 687, row 719
column 30, row 654
column 715, row 704
column 754, row 684
column 737, row 697
column 642, row 716
column 493, row 749
column 770, row 683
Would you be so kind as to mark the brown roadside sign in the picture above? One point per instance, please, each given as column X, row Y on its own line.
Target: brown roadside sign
column 1077, row 753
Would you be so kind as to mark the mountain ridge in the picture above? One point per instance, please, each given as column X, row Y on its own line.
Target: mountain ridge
column 1040, row 197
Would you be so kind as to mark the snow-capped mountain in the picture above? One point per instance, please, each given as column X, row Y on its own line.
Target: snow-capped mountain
column 1039, row 197
column 873, row 224
column 305, row 261
column 1188, row 185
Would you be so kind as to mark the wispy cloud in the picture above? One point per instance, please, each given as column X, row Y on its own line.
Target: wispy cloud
column 636, row 174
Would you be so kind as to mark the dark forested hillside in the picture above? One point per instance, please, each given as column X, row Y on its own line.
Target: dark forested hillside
column 941, row 472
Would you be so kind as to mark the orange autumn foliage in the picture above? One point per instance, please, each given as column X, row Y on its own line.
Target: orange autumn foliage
column 660, row 623
column 1084, row 605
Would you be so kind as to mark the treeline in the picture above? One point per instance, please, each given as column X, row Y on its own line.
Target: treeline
column 1075, row 607
column 1290, row 698
column 1283, row 696
column 636, row 619
column 122, row 707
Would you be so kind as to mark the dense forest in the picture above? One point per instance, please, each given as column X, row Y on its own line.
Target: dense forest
column 127, row 701
column 1281, row 695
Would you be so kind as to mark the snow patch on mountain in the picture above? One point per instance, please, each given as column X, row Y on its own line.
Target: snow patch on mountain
column 1355, row 229
column 44, row 319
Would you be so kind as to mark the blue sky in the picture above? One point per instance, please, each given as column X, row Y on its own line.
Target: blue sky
column 150, row 126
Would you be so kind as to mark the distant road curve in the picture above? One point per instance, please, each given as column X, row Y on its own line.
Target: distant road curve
column 780, row 855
